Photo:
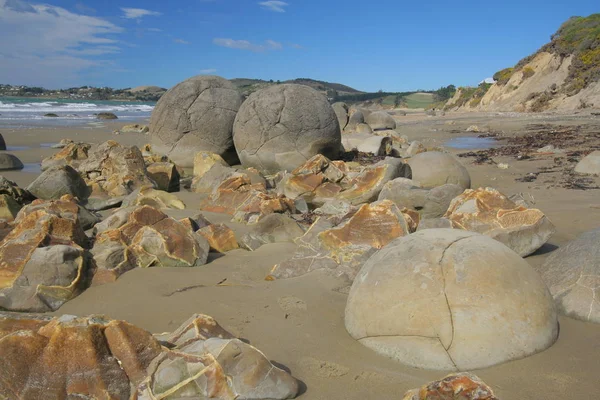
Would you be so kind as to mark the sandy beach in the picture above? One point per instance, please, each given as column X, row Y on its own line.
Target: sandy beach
column 299, row 323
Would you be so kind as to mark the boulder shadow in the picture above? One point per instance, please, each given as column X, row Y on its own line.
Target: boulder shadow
column 301, row 385
column 545, row 249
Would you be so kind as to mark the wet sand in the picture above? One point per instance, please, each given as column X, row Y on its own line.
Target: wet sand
column 299, row 323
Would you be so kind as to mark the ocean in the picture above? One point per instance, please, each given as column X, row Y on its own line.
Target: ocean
column 17, row 112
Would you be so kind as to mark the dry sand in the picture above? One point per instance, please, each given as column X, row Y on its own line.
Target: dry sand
column 299, row 323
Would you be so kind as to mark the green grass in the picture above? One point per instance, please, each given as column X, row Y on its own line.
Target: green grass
column 419, row 100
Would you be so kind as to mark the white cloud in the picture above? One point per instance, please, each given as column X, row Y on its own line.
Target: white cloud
column 181, row 41
column 247, row 45
column 137, row 13
column 208, row 71
column 274, row 5
column 50, row 45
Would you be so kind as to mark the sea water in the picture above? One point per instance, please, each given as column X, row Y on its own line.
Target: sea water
column 22, row 112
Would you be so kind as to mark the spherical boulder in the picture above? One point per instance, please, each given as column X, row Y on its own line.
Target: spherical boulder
column 380, row 120
column 280, row 127
column 573, row 274
column 434, row 168
column 445, row 299
column 9, row 162
column 196, row 115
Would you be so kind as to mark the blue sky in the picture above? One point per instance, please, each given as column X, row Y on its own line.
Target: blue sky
column 384, row 44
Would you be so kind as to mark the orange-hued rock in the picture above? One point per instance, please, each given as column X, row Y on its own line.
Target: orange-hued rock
column 72, row 154
column 342, row 249
column 148, row 196
column 70, row 357
column 145, row 237
column 462, row 386
column 66, row 207
column 203, row 360
column 248, row 202
column 487, row 211
column 43, row 261
column 113, row 170
column 165, row 175
column 220, row 238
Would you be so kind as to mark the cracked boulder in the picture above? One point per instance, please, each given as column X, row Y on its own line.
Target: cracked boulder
column 113, row 170
column 430, row 203
column 165, row 175
column 381, row 120
column 144, row 237
column 434, row 168
column 487, row 211
column 341, row 112
column 342, row 247
column 72, row 155
column 196, row 115
column 445, row 299
column 58, row 181
column 43, row 261
column 573, row 275
column 282, row 126
column 66, row 207
column 70, row 357
column 10, row 188
column 367, row 143
column 220, row 237
column 273, row 228
column 461, row 386
column 148, row 196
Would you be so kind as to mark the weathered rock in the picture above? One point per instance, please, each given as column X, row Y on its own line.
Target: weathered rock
column 341, row 112
column 202, row 360
column 8, row 207
column 397, row 139
column 281, row 127
column 246, row 201
column 355, row 119
column 66, row 207
column 204, row 161
column 491, row 213
column 148, row 196
column 368, row 184
column 342, row 250
column 2, row 143
column 43, row 262
column 434, row 168
column 113, row 170
column 135, row 128
column 9, row 162
column 431, row 203
column 364, row 128
column 379, row 120
column 220, row 237
column 572, row 273
column 72, row 154
column 461, row 386
column 11, row 189
column 70, row 357
column 145, row 237
column 58, row 181
column 62, row 144
column 415, row 148
column 367, row 143
column 473, row 128
column 106, row 115
column 435, row 223
column 165, row 175
column 273, row 228
column 447, row 299
column 590, row 164
column 196, row 115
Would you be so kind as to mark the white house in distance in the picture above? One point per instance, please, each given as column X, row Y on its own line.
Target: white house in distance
column 488, row 80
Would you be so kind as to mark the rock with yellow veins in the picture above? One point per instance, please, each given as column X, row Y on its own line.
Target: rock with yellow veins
column 487, row 211
column 43, row 261
column 145, row 237
column 202, row 360
column 204, row 161
column 165, row 175
column 462, row 386
column 72, row 154
column 154, row 198
column 342, row 248
column 220, row 237
column 8, row 207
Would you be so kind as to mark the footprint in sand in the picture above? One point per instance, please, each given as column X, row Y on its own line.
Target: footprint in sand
column 323, row 369
column 291, row 303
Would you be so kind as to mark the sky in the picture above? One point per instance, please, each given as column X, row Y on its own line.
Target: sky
column 388, row 45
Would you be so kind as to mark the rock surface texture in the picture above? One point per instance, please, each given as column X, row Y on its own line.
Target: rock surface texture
column 281, row 127
column 573, row 275
column 590, row 164
column 433, row 168
column 195, row 115
column 491, row 213
column 445, row 299
column 461, row 386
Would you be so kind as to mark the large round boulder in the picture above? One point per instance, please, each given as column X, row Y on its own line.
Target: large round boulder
column 446, row 299
column 573, row 275
column 380, row 120
column 434, row 168
column 9, row 162
column 341, row 111
column 280, row 127
column 195, row 115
